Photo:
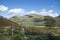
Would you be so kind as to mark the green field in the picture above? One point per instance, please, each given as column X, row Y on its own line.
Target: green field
column 53, row 30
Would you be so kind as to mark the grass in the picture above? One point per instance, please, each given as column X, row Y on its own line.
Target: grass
column 39, row 29
column 53, row 30
column 5, row 38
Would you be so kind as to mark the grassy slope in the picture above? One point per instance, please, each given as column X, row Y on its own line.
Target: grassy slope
column 55, row 31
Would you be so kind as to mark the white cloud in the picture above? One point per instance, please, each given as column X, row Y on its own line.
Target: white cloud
column 3, row 8
column 48, row 13
column 16, row 10
column 53, row 15
column 32, row 12
column 43, row 12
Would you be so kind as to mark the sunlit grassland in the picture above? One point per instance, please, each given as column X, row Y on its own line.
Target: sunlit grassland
column 44, row 29
column 38, row 29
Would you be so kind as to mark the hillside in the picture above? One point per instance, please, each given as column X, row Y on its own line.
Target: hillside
column 31, row 19
column 6, row 22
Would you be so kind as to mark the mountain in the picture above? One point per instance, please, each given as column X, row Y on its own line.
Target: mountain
column 27, row 18
column 30, row 19
column 6, row 22
column 57, row 21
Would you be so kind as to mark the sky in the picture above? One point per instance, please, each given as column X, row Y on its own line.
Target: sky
column 9, row 8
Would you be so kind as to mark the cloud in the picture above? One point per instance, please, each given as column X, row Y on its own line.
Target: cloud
column 44, row 12
column 53, row 15
column 32, row 12
column 48, row 13
column 3, row 8
column 16, row 10
column 21, row 11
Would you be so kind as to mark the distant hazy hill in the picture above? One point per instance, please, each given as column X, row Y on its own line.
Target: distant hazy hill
column 28, row 19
